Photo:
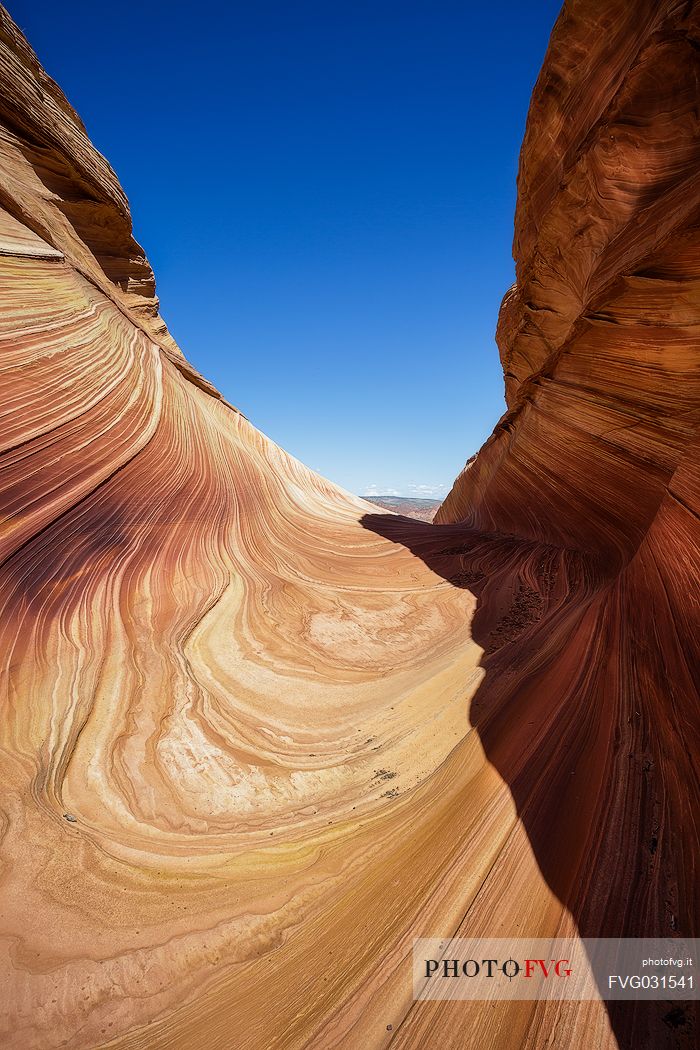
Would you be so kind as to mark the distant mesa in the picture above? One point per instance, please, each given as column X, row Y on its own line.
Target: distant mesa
column 421, row 509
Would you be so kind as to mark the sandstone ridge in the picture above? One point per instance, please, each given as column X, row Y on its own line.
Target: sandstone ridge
column 258, row 734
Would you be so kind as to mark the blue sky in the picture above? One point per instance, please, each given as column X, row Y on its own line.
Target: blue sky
column 325, row 191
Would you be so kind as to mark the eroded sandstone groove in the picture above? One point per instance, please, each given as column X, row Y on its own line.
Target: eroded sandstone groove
column 291, row 732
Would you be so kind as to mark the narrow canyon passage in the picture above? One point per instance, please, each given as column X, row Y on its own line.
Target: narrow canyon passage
column 257, row 736
column 305, row 772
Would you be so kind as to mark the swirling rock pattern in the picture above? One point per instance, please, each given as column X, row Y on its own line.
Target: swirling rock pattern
column 256, row 734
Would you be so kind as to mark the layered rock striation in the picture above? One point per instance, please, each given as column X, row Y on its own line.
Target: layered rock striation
column 256, row 734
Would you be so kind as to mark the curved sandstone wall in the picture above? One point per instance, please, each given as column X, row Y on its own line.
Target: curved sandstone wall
column 257, row 734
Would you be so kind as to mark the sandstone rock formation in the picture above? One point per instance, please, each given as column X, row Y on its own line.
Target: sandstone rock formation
column 258, row 735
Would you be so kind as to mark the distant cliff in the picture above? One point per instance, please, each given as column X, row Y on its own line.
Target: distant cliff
column 420, row 509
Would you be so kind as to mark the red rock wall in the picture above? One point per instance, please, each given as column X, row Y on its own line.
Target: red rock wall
column 598, row 337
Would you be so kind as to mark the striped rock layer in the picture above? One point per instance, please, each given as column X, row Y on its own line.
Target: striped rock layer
column 257, row 734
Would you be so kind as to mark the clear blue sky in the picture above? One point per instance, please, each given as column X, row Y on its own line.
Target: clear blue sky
column 325, row 191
